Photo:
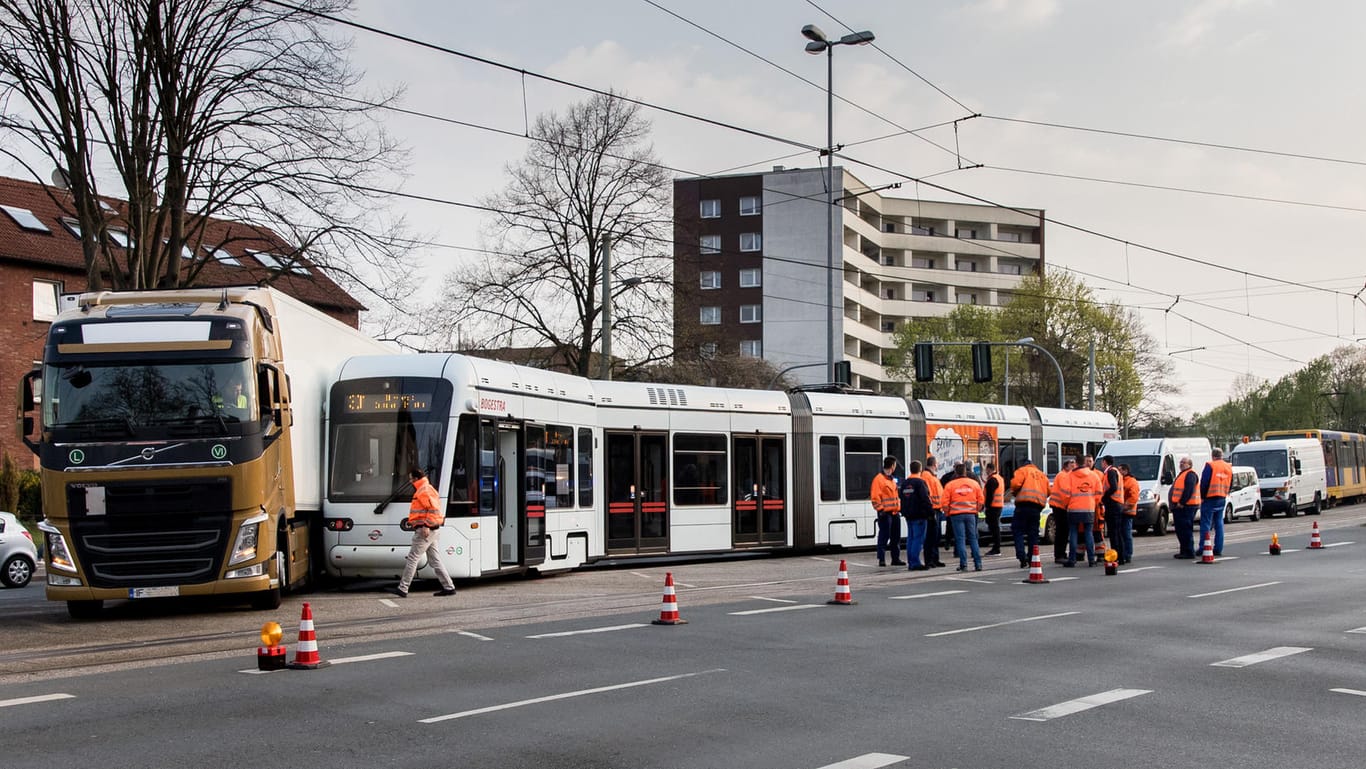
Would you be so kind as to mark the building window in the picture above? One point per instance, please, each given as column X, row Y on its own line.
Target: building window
column 1011, row 269
column 889, row 326
column 751, row 348
column 967, row 298
column 922, row 296
column 965, row 265
column 1010, row 237
column 706, row 350
column 915, row 230
column 888, row 293
column 120, row 237
column 711, row 209
column 223, row 256
column 889, row 227
column 751, row 313
column 922, row 263
column 751, row 278
column 965, row 232
column 750, row 206
column 751, row 241
column 45, row 293
column 711, row 316
column 72, row 226
column 711, row 244
column 711, row 279
column 25, row 218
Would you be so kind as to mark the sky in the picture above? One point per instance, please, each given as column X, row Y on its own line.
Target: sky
column 1241, row 201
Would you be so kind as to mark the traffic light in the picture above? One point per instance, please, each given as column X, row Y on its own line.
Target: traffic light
column 981, row 361
column 924, row 362
column 843, row 374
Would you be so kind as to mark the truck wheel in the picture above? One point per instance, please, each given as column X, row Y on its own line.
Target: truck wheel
column 17, row 572
column 84, row 609
column 1318, row 504
column 266, row 600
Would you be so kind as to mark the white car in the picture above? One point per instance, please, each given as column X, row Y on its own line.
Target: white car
column 18, row 554
column 1244, row 495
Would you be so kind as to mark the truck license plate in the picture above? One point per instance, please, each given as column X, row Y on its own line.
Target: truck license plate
column 153, row 592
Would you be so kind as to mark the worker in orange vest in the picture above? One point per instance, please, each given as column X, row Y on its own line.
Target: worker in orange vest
column 1030, row 487
column 1081, row 514
column 886, row 499
column 1215, row 482
column 995, row 492
column 1131, row 494
column 1112, row 502
column 963, row 500
column 426, row 520
column 1184, row 501
column 1057, row 501
column 930, row 476
column 1099, row 524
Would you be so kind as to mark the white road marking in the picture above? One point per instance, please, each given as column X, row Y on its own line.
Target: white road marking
column 388, row 602
column 641, row 574
column 1356, row 692
column 1138, row 569
column 1286, row 550
column 1057, row 579
column 775, row 609
column 1338, row 544
column 1219, row 558
column 867, row 761
column 1000, row 624
column 589, row 630
column 1358, row 630
column 970, row 579
column 1253, row 659
column 1078, row 705
column 36, row 699
column 475, row 636
column 775, row 600
column 368, row 657
column 925, row 595
column 564, row 696
column 1233, row 590
column 822, row 560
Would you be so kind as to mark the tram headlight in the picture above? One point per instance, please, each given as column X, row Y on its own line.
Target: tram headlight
column 57, row 553
column 244, row 549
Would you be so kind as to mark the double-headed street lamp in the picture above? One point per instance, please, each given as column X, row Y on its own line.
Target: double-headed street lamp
column 818, row 43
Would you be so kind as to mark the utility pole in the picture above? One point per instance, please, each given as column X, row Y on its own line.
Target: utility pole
column 1091, row 397
column 606, row 370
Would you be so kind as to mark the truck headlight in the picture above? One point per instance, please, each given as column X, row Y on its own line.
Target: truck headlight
column 244, row 549
column 57, row 553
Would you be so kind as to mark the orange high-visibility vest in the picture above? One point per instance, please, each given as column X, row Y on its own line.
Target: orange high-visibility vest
column 1220, row 479
column 1030, row 486
column 423, row 510
column 1100, row 489
column 1187, row 476
column 936, row 489
column 1083, row 492
column 1062, row 488
column 998, row 498
column 886, row 498
column 1131, row 492
column 1118, row 494
column 964, row 496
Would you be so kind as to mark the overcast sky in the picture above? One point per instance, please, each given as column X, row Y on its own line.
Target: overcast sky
column 1279, row 77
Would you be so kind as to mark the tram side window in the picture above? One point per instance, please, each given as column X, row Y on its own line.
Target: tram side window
column 461, row 480
column 700, row 469
column 559, row 480
column 488, row 468
column 830, row 469
column 537, row 482
column 1051, row 457
column 585, row 454
column 896, row 447
column 1013, row 454
column 862, row 461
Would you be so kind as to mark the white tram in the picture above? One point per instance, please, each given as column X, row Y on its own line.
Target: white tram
column 544, row 471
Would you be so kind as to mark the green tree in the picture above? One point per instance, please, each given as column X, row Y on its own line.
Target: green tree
column 953, row 364
column 9, row 484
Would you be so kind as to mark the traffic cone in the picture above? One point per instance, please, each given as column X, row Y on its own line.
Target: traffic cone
column 1315, row 542
column 668, row 612
column 1111, row 562
column 842, row 595
column 1035, row 569
column 1207, row 554
column 306, row 655
column 1275, row 548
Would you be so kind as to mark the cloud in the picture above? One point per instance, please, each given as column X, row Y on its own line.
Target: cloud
column 1022, row 13
column 1201, row 18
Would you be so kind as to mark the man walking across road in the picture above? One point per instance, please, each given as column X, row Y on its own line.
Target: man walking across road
column 1030, row 487
column 1184, row 501
column 917, row 512
column 1215, row 481
column 964, row 499
column 886, row 500
column 995, row 492
column 425, row 519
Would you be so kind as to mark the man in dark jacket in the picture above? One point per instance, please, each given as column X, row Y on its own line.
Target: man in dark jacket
column 918, row 512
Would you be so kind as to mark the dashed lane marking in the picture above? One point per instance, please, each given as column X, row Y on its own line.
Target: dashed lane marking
column 925, row 595
column 1000, row 624
column 1361, row 630
column 1339, row 544
column 1234, row 590
column 389, row 602
column 1253, row 659
column 973, row 581
column 775, row 600
column 34, row 700
column 1138, row 569
column 565, row 696
column 589, row 630
column 775, row 609
column 1354, row 692
column 475, row 636
column 867, row 761
column 369, row 657
column 1078, row 705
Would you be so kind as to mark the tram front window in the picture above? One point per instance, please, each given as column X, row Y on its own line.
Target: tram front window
column 381, row 429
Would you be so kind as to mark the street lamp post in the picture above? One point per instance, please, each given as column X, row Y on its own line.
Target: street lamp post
column 818, row 43
column 605, row 366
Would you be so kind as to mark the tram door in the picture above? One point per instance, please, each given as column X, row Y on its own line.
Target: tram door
column 759, row 468
column 505, row 440
column 637, row 492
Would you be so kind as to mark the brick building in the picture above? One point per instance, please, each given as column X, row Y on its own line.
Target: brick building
column 41, row 258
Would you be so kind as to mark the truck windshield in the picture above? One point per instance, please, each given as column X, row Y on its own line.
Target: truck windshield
column 1269, row 464
column 132, row 397
column 1144, row 468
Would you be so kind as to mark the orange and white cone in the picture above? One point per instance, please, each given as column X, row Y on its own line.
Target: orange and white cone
column 1035, row 569
column 843, row 597
column 1315, row 541
column 306, row 655
column 668, row 611
column 1207, row 553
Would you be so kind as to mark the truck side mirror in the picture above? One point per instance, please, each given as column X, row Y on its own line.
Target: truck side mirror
column 27, row 423
column 1167, row 478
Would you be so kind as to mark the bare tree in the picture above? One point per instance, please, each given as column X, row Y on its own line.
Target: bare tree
column 231, row 109
column 590, row 176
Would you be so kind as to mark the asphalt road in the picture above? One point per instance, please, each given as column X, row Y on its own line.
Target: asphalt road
column 1253, row 661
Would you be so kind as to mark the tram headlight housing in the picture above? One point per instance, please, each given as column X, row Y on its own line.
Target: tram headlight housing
column 248, row 535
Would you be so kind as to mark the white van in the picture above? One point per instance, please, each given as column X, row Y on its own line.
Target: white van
column 1153, row 461
column 1291, row 473
column 1244, row 495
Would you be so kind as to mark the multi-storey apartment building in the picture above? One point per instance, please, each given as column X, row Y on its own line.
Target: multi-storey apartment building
column 750, row 267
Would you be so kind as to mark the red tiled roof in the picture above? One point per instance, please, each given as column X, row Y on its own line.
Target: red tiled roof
column 60, row 249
